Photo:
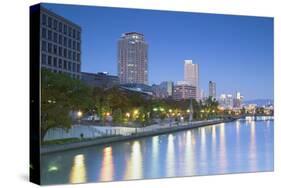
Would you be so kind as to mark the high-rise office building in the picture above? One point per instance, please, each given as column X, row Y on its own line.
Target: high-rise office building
column 132, row 58
column 212, row 90
column 191, row 75
column 60, row 44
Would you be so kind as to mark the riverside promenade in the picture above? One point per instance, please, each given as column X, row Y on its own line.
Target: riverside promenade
column 139, row 133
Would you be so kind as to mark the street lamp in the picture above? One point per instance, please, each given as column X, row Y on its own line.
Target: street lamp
column 79, row 114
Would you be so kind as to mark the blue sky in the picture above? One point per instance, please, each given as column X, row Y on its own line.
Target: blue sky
column 234, row 51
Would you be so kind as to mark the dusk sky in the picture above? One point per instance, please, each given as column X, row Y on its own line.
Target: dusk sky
column 236, row 52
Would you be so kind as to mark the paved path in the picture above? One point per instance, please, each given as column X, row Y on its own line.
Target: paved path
column 148, row 131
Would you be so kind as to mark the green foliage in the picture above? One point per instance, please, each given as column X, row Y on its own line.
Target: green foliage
column 117, row 116
column 59, row 95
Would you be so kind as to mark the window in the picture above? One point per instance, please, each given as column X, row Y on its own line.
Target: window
column 44, row 19
column 78, row 46
column 73, row 67
column 44, row 46
column 60, row 63
column 49, row 60
column 55, row 37
column 50, row 46
column 64, row 29
column 44, row 33
column 65, row 52
column 74, row 56
column 55, row 49
column 74, row 45
column 69, row 54
column 49, row 35
column 78, row 57
column 69, row 65
column 64, row 41
column 69, row 31
column 74, row 33
column 78, row 67
column 65, row 64
column 55, row 62
column 60, row 39
column 55, row 24
column 50, row 22
column 44, row 59
column 60, row 27
column 60, row 51
column 69, row 43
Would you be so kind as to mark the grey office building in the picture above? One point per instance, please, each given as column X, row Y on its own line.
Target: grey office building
column 132, row 58
column 60, row 44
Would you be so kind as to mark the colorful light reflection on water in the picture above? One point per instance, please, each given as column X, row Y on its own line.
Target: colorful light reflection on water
column 240, row 146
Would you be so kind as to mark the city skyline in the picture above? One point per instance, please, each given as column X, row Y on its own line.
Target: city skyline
column 245, row 43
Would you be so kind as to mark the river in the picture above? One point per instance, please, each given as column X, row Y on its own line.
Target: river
column 244, row 145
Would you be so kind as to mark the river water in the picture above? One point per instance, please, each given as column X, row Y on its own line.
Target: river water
column 244, row 145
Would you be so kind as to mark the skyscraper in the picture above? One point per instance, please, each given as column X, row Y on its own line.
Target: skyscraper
column 60, row 42
column 191, row 75
column 132, row 58
column 212, row 90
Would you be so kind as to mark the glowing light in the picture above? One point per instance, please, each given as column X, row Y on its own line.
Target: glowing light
column 170, row 110
column 134, row 164
column 107, row 114
column 187, row 110
column 79, row 113
column 107, row 165
column 78, row 170
column 136, row 112
column 155, row 109
column 128, row 114
column 53, row 168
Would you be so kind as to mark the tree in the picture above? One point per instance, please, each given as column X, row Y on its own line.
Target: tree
column 60, row 94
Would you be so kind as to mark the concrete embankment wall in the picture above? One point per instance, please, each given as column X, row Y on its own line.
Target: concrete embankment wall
column 100, row 141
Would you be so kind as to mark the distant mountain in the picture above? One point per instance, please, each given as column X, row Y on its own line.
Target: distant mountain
column 259, row 102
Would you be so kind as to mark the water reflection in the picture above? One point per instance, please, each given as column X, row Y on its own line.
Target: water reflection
column 222, row 149
column 203, row 149
column 155, row 155
column 253, row 147
column 214, row 142
column 170, row 159
column 134, row 164
column 240, row 146
column 78, row 171
column 189, row 154
column 237, row 153
column 107, row 168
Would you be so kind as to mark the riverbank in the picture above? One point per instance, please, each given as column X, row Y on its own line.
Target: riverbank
column 108, row 140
